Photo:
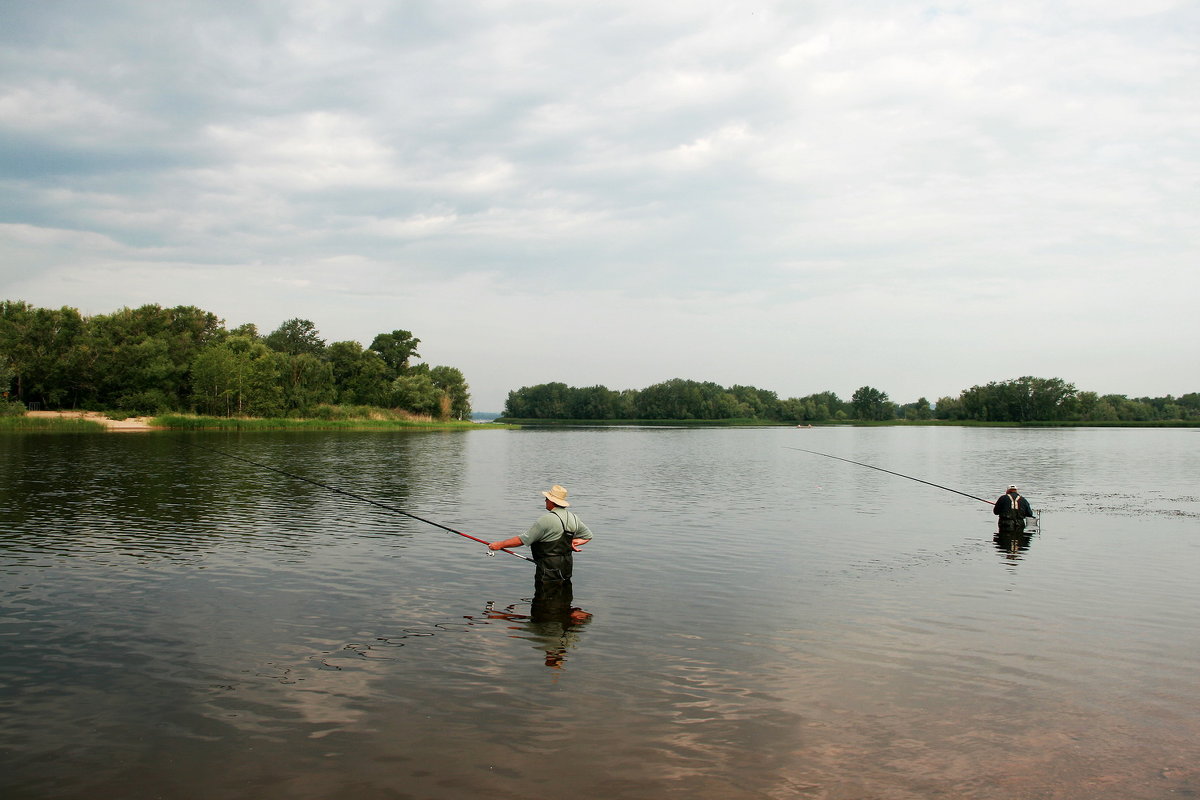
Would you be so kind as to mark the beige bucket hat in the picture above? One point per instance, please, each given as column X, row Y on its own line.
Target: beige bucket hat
column 557, row 495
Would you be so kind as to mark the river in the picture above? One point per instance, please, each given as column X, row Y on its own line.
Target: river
column 752, row 620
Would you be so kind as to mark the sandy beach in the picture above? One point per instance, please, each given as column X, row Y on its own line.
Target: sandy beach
column 131, row 424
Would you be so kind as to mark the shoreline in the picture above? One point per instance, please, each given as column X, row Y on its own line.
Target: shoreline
column 171, row 422
column 144, row 423
column 130, row 424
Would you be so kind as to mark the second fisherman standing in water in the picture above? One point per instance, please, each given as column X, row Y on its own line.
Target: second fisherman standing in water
column 1012, row 509
column 553, row 537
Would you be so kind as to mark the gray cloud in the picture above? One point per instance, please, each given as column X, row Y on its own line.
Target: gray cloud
column 801, row 198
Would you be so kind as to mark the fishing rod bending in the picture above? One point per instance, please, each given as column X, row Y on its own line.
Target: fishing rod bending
column 385, row 506
column 897, row 474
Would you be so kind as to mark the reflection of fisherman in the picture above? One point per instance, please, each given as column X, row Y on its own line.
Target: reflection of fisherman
column 552, row 622
column 552, row 538
column 1012, row 543
column 553, row 619
column 1012, row 509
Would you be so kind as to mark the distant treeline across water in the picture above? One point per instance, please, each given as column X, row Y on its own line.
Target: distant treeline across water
column 151, row 360
column 1024, row 399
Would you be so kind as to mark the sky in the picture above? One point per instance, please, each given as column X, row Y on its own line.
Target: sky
column 920, row 197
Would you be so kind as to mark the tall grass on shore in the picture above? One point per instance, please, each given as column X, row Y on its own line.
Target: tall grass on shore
column 194, row 423
column 745, row 422
column 24, row 424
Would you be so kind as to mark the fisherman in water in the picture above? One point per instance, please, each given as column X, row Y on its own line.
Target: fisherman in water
column 553, row 537
column 1012, row 509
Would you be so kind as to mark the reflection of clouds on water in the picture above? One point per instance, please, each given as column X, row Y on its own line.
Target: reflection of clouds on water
column 331, row 689
column 975, row 750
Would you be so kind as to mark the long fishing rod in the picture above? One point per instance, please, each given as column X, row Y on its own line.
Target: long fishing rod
column 393, row 509
column 888, row 471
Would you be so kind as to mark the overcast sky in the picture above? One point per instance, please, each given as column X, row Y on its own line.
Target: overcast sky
column 799, row 196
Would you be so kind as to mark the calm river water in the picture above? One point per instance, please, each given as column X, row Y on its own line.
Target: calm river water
column 765, row 622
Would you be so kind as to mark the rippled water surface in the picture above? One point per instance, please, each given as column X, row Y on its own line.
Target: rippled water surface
column 764, row 622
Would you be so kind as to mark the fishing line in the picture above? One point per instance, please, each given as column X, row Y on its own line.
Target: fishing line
column 888, row 471
column 335, row 489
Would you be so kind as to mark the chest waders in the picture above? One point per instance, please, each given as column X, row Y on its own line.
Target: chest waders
column 553, row 558
column 1011, row 519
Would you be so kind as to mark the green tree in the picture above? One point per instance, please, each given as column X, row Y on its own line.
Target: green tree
column 7, row 376
column 593, row 402
column 920, row 410
column 140, row 359
column 1049, row 398
column 948, row 408
column 1021, row 400
column 666, row 400
column 214, row 380
column 307, row 381
column 416, row 392
column 456, row 394
column 760, row 403
column 793, row 409
column 259, row 391
column 543, row 401
column 1128, row 410
column 296, row 336
column 397, row 349
column 239, row 376
column 361, row 376
column 247, row 329
column 871, row 404
column 1189, row 405
column 820, row 407
column 41, row 347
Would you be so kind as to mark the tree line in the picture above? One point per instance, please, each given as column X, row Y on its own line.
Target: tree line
column 1025, row 399
column 153, row 359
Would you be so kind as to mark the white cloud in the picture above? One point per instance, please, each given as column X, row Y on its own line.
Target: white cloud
column 60, row 107
column 306, row 152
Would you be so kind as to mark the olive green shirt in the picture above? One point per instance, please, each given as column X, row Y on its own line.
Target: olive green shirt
column 549, row 527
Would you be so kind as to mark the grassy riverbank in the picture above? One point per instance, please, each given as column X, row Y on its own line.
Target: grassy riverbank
column 195, row 423
column 682, row 423
column 943, row 423
column 98, row 422
column 27, row 424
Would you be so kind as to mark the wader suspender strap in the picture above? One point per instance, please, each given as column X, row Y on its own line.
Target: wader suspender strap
column 561, row 549
column 539, row 546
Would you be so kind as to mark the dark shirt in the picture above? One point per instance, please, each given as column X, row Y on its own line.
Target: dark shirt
column 1005, row 504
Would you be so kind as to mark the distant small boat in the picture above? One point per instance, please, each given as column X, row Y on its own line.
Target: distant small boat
column 804, row 426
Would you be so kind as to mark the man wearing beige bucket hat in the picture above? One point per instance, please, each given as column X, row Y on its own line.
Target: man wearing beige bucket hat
column 553, row 537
